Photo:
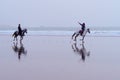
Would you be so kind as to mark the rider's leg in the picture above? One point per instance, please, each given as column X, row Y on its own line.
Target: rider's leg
column 83, row 37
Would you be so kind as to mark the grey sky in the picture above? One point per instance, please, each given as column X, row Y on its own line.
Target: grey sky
column 66, row 13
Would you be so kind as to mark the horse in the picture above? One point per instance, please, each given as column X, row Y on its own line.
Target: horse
column 76, row 34
column 16, row 34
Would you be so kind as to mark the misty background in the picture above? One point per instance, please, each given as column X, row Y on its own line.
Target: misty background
column 60, row 13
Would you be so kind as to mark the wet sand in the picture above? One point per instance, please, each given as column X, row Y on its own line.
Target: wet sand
column 59, row 58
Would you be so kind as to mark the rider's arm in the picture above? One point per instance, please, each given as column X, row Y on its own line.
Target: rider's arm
column 79, row 23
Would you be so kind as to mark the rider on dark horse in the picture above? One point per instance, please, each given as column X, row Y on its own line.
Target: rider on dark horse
column 19, row 30
column 82, row 28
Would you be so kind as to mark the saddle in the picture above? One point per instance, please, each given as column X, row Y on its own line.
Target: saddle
column 81, row 32
column 20, row 32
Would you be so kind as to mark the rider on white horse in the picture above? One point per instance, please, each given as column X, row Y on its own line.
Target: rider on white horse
column 81, row 32
column 82, row 28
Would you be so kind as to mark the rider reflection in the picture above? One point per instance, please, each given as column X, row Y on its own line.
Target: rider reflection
column 19, row 49
column 80, row 50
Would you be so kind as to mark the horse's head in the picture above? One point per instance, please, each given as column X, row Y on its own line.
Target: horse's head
column 88, row 30
column 25, row 30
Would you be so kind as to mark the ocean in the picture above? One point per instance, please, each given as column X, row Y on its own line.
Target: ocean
column 63, row 31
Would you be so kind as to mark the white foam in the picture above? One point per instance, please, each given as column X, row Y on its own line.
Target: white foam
column 69, row 33
column 65, row 33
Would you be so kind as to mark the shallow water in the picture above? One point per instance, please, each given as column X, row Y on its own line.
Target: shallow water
column 59, row 58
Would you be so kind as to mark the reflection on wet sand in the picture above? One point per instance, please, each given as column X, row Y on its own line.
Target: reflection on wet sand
column 80, row 50
column 19, row 49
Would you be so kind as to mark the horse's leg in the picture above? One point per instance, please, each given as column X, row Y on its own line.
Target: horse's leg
column 83, row 37
column 73, row 35
column 21, row 38
column 73, row 47
column 76, row 37
column 14, row 39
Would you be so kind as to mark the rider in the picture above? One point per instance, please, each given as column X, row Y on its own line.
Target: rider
column 82, row 28
column 19, row 29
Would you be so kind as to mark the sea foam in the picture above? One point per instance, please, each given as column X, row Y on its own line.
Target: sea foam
column 64, row 33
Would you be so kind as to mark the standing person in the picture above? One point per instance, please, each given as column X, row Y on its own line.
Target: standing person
column 82, row 28
column 19, row 29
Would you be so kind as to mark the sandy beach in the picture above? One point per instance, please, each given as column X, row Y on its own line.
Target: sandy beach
column 59, row 58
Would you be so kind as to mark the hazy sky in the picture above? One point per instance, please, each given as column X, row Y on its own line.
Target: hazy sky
column 66, row 13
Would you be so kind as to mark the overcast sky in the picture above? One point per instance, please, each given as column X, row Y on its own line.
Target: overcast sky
column 35, row 13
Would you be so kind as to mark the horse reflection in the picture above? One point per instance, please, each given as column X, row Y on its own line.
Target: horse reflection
column 81, row 50
column 19, row 50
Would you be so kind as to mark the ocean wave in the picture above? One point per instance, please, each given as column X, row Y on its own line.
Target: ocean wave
column 64, row 33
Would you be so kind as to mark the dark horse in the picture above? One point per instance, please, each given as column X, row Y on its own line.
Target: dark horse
column 16, row 34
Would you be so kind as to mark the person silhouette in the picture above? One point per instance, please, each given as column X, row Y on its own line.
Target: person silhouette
column 19, row 30
column 82, row 27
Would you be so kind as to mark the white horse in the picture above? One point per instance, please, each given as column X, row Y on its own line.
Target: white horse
column 76, row 34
